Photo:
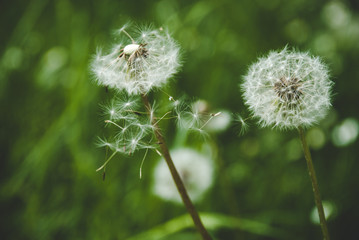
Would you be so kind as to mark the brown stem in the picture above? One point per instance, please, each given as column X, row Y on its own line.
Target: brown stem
column 313, row 177
column 176, row 177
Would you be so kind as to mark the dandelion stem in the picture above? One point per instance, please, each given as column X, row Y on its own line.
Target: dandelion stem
column 176, row 177
column 313, row 177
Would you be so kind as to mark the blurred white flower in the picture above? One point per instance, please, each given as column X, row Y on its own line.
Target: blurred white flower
column 288, row 89
column 137, row 64
column 220, row 123
column 330, row 211
column 195, row 169
column 345, row 133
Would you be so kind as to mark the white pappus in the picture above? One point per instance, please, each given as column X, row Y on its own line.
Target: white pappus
column 287, row 89
column 141, row 61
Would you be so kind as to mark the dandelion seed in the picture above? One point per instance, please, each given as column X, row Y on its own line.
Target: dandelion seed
column 242, row 124
column 113, row 123
column 199, row 132
column 142, row 162
column 126, row 103
column 161, row 118
column 215, row 114
column 158, row 152
column 219, row 122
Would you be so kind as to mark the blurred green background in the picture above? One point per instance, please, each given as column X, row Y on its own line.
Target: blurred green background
column 51, row 117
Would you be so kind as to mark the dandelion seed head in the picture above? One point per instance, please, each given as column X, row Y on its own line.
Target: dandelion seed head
column 288, row 89
column 141, row 61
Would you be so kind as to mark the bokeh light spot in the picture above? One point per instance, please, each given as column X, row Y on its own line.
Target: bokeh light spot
column 346, row 132
column 316, row 138
column 329, row 211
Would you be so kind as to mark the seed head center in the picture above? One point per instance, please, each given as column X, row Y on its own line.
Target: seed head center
column 131, row 48
column 133, row 52
column 288, row 89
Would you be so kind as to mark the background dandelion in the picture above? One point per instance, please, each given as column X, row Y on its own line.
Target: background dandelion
column 195, row 169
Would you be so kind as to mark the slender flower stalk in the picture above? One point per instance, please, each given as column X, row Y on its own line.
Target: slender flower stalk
column 176, row 177
column 313, row 178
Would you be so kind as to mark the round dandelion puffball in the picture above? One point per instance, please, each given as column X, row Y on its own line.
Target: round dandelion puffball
column 139, row 62
column 287, row 89
column 195, row 169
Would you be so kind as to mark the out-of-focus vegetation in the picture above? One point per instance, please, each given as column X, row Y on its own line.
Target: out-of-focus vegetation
column 50, row 118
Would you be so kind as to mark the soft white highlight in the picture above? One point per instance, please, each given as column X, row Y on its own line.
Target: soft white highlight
column 195, row 169
column 140, row 62
column 130, row 49
column 220, row 122
column 288, row 89
column 345, row 133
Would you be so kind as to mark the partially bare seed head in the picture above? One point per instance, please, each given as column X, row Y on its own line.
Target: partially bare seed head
column 143, row 60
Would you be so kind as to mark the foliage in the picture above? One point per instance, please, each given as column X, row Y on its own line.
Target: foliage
column 51, row 119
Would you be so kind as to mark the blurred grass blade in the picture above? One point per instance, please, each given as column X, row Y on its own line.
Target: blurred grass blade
column 212, row 221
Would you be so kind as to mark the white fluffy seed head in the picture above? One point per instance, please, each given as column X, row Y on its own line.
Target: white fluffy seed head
column 287, row 89
column 141, row 61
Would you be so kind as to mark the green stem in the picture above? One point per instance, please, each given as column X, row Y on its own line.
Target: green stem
column 313, row 177
column 176, row 177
